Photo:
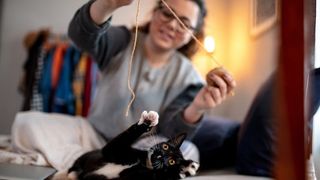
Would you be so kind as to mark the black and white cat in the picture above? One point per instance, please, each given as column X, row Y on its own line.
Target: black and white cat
column 118, row 160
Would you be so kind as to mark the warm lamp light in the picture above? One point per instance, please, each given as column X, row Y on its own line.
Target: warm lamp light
column 209, row 44
column 203, row 61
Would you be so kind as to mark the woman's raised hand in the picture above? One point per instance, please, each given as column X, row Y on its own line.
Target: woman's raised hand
column 101, row 10
column 118, row 3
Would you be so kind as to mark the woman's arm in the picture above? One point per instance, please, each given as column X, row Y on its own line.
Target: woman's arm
column 185, row 112
column 172, row 120
column 100, row 39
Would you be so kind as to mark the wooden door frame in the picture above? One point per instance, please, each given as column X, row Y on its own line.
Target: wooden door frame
column 297, row 52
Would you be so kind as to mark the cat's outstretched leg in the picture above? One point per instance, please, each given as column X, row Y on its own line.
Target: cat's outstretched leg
column 128, row 137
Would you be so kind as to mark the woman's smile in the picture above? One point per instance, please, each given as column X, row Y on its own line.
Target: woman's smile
column 166, row 35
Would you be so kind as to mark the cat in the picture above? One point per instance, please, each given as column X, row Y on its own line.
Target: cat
column 117, row 160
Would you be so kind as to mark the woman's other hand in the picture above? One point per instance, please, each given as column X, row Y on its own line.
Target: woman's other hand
column 221, row 79
column 220, row 84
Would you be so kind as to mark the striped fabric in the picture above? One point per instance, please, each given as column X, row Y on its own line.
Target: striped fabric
column 37, row 101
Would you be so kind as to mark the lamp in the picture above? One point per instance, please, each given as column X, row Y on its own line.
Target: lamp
column 209, row 44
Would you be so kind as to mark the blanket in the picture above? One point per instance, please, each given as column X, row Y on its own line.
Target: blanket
column 45, row 139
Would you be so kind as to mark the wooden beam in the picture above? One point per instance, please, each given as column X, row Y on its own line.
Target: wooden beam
column 291, row 157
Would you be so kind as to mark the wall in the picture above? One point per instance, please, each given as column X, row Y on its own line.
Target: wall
column 250, row 59
column 20, row 17
column 1, row 10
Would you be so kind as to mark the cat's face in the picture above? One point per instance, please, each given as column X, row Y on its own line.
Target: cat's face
column 167, row 157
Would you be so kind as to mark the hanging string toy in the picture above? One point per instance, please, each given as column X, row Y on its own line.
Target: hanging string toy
column 209, row 81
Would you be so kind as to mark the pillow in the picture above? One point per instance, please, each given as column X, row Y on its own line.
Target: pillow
column 256, row 149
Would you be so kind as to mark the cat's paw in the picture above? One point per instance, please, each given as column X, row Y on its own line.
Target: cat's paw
column 151, row 118
column 189, row 170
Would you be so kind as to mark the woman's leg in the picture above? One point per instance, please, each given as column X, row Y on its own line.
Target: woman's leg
column 256, row 146
column 216, row 140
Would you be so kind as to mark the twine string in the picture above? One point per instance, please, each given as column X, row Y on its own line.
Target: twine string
column 131, row 59
column 135, row 44
column 192, row 35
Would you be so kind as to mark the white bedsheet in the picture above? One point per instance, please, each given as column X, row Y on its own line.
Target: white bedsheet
column 49, row 139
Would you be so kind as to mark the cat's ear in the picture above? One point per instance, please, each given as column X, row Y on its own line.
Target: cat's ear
column 178, row 140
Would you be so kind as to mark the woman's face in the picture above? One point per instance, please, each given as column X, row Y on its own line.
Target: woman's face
column 165, row 31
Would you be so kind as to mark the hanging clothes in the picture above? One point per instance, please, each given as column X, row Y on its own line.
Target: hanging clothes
column 78, row 83
column 64, row 99
column 57, row 63
column 30, row 70
column 60, row 78
column 45, row 82
column 37, row 101
column 87, row 88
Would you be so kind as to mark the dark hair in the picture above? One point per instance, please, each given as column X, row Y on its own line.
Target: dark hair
column 191, row 48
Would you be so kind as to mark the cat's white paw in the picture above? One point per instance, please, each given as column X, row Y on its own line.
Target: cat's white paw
column 190, row 170
column 152, row 117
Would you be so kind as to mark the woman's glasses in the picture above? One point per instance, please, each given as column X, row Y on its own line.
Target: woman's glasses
column 166, row 16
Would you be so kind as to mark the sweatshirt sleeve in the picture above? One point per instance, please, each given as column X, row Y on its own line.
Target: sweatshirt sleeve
column 103, row 41
column 172, row 120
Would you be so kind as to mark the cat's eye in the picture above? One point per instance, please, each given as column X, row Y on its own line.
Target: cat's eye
column 165, row 146
column 172, row 162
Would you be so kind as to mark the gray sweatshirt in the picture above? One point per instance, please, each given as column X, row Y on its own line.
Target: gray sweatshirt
column 167, row 90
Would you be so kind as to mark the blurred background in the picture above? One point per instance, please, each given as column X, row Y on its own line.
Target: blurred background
column 250, row 54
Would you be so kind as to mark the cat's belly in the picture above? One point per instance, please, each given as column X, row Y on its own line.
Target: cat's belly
column 111, row 170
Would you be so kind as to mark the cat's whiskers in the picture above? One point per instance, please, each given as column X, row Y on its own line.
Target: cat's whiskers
column 153, row 137
column 157, row 165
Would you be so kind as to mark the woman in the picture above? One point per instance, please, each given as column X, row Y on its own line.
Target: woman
column 162, row 78
column 162, row 75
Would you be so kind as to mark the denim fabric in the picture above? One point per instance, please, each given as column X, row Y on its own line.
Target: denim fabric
column 256, row 149
column 216, row 140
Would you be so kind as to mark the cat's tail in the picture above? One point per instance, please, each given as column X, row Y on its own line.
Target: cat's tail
column 64, row 175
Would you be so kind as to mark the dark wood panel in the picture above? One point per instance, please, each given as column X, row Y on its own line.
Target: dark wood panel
column 295, row 62
column 291, row 157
